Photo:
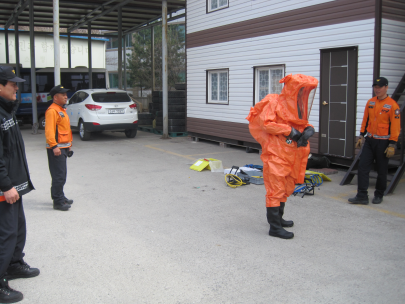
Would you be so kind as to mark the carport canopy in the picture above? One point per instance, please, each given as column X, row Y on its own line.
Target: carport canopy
column 76, row 14
column 122, row 16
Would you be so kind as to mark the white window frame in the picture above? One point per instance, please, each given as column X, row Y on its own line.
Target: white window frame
column 209, row 86
column 257, row 79
column 209, row 3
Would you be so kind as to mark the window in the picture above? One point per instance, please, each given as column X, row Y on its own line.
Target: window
column 82, row 97
column 213, row 5
column 267, row 81
column 112, row 42
column 110, row 97
column 74, row 98
column 128, row 41
column 45, row 82
column 78, row 97
column 217, row 81
column 27, row 84
column 113, row 80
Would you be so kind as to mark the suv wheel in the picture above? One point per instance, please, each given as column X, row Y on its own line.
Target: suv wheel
column 84, row 135
column 41, row 122
column 130, row 133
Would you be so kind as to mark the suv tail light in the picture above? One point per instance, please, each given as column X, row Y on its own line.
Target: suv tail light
column 132, row 106
column 92, row 107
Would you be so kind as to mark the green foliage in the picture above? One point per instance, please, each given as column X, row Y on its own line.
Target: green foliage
column 140, row 61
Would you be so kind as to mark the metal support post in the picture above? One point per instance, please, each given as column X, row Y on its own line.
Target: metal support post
column 56, row 44
column 17, row 56
column 6, row 45
column 152, row 34
column 164, row 71
column 69, row 51
column 33, row 74
column 89, row 53
column 125, row 62
column 120, row 48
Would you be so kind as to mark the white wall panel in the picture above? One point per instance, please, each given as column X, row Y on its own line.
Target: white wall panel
column 44, row 54
column 238, row 10
column 298, row 50
column 392, row 64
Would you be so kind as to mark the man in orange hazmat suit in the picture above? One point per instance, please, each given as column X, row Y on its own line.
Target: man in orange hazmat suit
column 280, row 124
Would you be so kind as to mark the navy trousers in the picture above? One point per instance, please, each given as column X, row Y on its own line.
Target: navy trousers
column 373, row 150
column 58, row 170
column 13, row 233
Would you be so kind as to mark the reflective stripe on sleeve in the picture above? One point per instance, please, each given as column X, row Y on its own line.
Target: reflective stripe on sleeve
column 21, row 187
column 7, row 124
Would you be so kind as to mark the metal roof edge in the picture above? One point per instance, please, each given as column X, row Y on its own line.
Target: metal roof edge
column 51, row 34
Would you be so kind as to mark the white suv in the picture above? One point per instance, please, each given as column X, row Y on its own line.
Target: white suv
column 97, row 110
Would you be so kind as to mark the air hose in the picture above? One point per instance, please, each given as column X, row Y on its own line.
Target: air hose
column 316, row 180
column 312, row 181
column 233, row 181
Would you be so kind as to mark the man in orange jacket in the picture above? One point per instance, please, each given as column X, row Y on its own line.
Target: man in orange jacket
column 380, row 127
column 58, row 143
column 280, row 124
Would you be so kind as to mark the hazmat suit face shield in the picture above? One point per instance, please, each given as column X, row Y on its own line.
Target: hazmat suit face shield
column 305, row 99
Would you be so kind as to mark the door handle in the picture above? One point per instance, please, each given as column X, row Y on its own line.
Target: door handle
column 324, row 103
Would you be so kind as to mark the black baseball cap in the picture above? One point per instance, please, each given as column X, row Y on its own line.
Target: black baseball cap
column 8, row 73
column 58, row 89
column 381, row 82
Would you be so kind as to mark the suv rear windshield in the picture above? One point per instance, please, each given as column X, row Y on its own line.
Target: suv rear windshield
column 110, row 97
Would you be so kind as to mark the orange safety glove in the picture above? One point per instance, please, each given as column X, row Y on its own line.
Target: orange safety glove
column 359, row 142
column 390, row 151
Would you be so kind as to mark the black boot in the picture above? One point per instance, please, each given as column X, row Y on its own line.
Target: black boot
column 20, row 270
column 68, row 201
column 284, row 223
column 61, row 206
column 8, row 295
column 273, row 217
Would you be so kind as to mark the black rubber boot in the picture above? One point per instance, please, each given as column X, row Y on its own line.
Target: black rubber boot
column 68, row 201
column 359, row 200
column 61, row 206
column 284, row 223
column 273, row 217
column 7, row 294
column 20, row 270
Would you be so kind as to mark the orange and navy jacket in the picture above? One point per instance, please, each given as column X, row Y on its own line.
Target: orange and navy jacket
column 381, row 119
column 57, row 128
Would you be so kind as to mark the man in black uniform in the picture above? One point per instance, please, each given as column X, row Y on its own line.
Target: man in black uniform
column 14, row 182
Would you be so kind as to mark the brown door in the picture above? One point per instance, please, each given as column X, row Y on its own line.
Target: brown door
column 338, row 102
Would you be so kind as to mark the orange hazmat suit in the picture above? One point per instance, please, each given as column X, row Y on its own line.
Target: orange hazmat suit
column 270, row 123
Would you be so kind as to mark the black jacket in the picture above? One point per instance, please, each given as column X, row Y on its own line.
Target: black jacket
column 13, row 162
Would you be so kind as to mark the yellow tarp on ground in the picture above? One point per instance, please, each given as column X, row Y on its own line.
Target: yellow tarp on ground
column 324, row 177
column 202, row 163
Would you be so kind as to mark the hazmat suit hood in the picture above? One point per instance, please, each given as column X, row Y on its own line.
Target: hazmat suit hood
column 296, row 98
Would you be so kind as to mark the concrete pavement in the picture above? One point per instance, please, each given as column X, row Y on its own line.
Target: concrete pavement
column 144, row 228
